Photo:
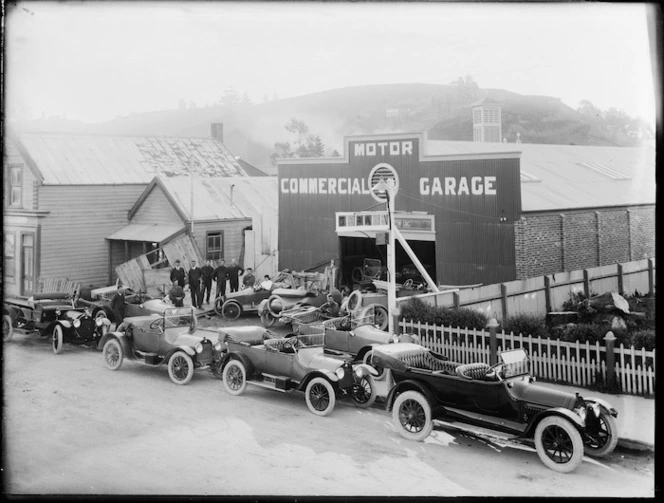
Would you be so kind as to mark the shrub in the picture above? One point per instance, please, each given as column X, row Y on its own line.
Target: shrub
column 643, row 339
column 417, row 310
column 572, row 304
column 525, row 324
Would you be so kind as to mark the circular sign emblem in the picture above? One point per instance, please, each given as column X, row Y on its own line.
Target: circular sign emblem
column 387, row 173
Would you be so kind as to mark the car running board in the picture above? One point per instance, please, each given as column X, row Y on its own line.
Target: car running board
column 495, row 422
column 278, row 383
column 475, row 430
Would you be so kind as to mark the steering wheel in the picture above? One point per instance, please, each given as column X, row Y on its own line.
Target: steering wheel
column 408, row 283
column 158, row 323
column 495, row 370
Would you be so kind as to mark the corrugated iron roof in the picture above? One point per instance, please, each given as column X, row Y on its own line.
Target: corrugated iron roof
column 156, row 233
column 73, row 159
column 251, row 196
column 557, row 177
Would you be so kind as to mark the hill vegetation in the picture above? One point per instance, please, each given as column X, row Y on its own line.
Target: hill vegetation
column 443, row 111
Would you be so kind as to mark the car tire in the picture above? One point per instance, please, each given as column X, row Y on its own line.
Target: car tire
column 57, row 338
column 231, row 310
column 113, row 354
column 218, row 305
column 381, row 320
column 7, row 328
column 234, row 377
column 180, row 367
column 364, row 392
column 267, row 319
column 320, row 396
column 354, row 300
column 411, row 415
column 381, row 371
column 604, row 441
column 558, row 444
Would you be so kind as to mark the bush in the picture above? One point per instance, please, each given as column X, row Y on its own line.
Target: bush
column 417, row 310
column 572, row 304
column 525, row 324
column 643, row 339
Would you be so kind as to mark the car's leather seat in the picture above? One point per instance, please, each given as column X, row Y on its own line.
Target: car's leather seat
column 472, row 370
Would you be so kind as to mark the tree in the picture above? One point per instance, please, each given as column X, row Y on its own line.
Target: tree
column 230, row 97
column 246, row 100
column 467, row 89
column 303, row 144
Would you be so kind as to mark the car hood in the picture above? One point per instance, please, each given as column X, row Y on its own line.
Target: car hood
column 182, row 337
column 372, row 333
column 156, row 305
column 533, row 393
column 315, row 359
column 292, row 292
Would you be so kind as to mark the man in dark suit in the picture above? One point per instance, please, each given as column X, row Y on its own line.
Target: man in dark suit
column 208, row 271
column 177, row 274
column 220, row 275
column 234, row 271
column 195, row 275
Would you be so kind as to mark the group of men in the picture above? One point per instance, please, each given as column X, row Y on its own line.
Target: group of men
column 200, row 281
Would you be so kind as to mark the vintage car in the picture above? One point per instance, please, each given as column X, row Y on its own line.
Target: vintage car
column 52, row 314
column 294, row 363
column 282, row 299
column 171, row 338
column 503, row 398
column 137, row 303
column 358, row 299
column 355, row 335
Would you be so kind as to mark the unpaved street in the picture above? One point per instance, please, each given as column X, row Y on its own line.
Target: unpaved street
column 73, row 426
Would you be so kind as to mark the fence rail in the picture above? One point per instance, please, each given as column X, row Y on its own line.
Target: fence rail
column 575, row 363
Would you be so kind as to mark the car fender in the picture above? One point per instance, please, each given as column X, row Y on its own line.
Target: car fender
column 262, row 307
column 244, row 359
column 365, row 370
column 66, row 325
column 325, row 374
column 187, row 349
column 604, row 404
column 407, row 385
column 573, row 417
column 122, row 338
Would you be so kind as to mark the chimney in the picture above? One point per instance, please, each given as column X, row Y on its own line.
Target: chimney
column 218, row 131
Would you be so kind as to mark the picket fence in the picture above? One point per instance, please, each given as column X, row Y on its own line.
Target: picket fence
column 573, row 363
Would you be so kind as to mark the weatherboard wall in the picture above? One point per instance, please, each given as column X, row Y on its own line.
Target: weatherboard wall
column 472, row 243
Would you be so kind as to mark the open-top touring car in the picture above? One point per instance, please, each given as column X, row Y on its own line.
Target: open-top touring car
column 503, row 398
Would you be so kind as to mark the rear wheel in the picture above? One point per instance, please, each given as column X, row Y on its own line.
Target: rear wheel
column 381, row 320
column 218, row 305
column 601, row 437
column 267, row 319
column 180, row 367
column 231, row 310
column 411, row 415
column 7, row 328
column 235, row 377
column 364, row 392
column 320, row 396
column 58, row 339
column 113, row 354
column 558, row 443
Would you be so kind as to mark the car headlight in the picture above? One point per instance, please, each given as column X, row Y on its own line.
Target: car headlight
column 199, row 348
column 218, row 346
column 595, row 408
column 77, row 323
column 99, row 322
column 340, row 372
column 581, row 411
column 58, row 312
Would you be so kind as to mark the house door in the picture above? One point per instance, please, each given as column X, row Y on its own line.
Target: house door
column 27, row 280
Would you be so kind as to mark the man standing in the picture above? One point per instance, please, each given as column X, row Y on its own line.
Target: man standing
column 208, row 271
column 233, row 272
column 118, row 307
column 195, row 275
column 177, row 274
column 220, row 275
column 248, row 280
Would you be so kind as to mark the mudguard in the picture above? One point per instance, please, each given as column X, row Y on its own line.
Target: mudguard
column 326, row 374
column 124, row 342
column 363, row 369
column 557, row 411
column 606, row 405
column 248, row 366
column 187, row 349
column 262, row 307
column 406, row 385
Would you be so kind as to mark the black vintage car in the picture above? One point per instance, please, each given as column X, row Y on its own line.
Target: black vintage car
column 502, row 398
column 52, row 314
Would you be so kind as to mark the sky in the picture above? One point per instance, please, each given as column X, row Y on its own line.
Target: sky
column 98, row 60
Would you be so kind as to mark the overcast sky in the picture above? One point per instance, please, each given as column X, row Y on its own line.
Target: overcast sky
column 97, row 60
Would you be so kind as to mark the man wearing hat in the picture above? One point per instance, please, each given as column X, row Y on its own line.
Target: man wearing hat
column 177, row 274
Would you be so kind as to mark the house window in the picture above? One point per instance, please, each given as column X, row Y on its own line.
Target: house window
column 215, row 245
column 16, row 186
column 10, row 257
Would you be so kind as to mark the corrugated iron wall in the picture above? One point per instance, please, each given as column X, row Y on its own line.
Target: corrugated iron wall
column 474, row 230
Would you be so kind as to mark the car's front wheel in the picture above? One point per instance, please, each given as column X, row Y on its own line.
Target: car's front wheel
column 411, row 415
column 58, row 338
column 234, row 377
column 7, row 328
column 381, row 371
column 320, row 396
column 601, row 435
column 364, row 392
column 381, row 320
column 267, row 319
column 113, row 354
column 231, row 310
column 180, row 367
column 558, row 443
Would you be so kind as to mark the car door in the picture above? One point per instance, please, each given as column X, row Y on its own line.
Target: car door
column 147, row 335
column 337, row 339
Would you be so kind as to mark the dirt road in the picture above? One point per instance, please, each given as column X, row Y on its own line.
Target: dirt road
column 71, row 426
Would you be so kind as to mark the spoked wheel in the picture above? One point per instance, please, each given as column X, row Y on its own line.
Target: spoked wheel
column 320, row 396
column 364, row 392
column 113, row 354
column 234, row 377
column 231, row 310
column 267, row 319
column 601, row 435
column 7, row 328
column 558, row 443
column 218, row 305
column 381, row 318
column 180, row 367
column 381, row 371
column 411, row 415
column 57, row 338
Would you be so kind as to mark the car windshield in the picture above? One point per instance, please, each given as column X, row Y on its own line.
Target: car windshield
column 516, row 362
column 178, row 317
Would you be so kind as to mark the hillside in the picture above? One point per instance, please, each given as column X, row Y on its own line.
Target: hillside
column 250, row 131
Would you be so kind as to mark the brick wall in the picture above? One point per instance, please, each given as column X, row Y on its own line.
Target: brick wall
column 547, row 243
